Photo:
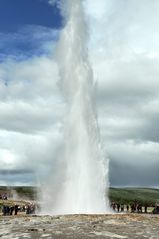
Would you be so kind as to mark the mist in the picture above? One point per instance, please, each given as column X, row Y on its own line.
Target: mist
column 81, row 176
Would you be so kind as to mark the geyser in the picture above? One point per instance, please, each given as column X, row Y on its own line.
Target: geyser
column 82, row 171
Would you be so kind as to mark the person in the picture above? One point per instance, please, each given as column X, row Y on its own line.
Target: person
column 133, row 207
column 139, row 207
column 15, row 209
column 122, row 207
column 118, row 207
column 145, row 208
column 5, row 197
column 113, row 205
column 11, row 210
column 4, row 210
column 127, row 208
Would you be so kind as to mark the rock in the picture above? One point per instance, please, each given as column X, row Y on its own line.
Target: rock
column 120, row 226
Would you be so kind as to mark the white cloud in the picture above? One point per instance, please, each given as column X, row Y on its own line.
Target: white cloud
column 124, row 53
column 124, row 50
column 31, row 113
column 28, row 79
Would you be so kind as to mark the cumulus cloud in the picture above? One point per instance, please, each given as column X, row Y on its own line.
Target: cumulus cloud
column 123, row 49
column 124, row 55
column 31, row 112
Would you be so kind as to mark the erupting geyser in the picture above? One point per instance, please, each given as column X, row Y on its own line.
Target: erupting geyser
column 83, row 188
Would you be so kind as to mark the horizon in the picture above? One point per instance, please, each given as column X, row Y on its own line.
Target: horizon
column 115, row 187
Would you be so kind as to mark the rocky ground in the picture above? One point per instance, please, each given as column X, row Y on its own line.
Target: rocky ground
column 120, row 226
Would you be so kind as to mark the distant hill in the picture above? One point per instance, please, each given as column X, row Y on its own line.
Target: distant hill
column 120, row 195
column 129, row 195
column 19, row 192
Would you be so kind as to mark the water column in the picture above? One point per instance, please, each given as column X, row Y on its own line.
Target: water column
column 79, row 179
column 86, row 173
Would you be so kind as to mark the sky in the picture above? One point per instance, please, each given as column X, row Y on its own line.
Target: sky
column 123, row 49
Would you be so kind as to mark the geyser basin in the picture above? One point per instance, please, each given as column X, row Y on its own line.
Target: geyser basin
column 81, row 226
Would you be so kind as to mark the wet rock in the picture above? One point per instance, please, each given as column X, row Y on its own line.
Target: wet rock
column 81, row 226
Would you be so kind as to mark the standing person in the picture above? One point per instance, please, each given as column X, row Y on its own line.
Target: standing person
column 113, row 205
column 118, row 207
column 133, row 207
column 145, row 208
column 122, row 207
column 15, row 209
column 11, row 210
column 7, row 210
column 4, row 210
column 127, row 208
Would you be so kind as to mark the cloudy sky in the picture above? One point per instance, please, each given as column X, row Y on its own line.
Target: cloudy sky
column 123, row 50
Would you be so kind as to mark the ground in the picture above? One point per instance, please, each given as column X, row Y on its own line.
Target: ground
column 131, row 226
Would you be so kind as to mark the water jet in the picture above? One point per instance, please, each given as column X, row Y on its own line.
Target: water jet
column 82, row 185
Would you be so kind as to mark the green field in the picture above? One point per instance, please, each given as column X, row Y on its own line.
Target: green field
column 144, row 196
column 148, row 196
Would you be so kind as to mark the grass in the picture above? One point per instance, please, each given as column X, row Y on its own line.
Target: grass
column 144, row 196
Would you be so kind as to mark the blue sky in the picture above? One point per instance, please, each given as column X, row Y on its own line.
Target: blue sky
column 15, row 13
column 25, row 27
